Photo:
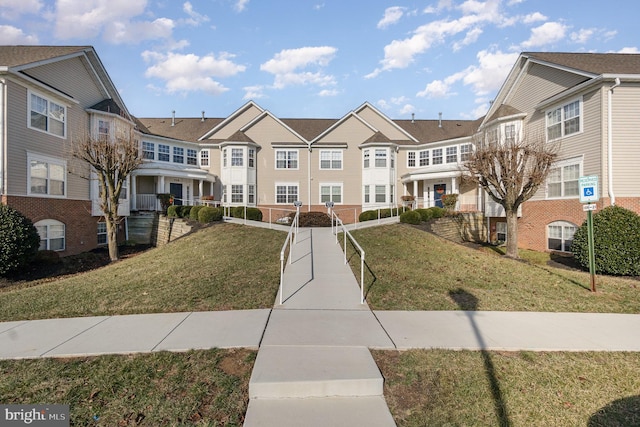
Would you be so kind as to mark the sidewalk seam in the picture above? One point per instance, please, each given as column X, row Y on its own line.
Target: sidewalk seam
column 395, row 346
column 171, row 331
column 75, row 336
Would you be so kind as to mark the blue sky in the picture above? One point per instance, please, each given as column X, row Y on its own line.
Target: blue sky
column 317, row 58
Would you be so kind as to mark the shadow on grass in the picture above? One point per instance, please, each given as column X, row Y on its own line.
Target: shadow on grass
column 621, row 412
column 469, row 303
column 374, row 279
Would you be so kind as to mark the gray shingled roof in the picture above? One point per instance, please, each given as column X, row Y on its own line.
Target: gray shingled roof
column 505, row 110
column 426, row 131
column 185, row 129
column 13, row 56
column 309, row 129
column 594, row 63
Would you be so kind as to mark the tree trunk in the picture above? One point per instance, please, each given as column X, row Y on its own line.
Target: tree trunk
column 112, row 239
column 512, row 233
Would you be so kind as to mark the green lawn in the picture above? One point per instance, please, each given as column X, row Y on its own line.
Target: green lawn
column 409, row 269
column 223, row 267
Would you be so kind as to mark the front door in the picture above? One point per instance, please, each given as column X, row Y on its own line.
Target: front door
column 176, row 190
column 438, row 191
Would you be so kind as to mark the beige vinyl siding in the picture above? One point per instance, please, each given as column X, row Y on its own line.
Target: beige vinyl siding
column 626, row 140
column 22, row 140
column 382, row 124
column 71, row 77
column 237, row 122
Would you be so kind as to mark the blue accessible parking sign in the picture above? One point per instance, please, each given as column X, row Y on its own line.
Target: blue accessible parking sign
column 589, row 189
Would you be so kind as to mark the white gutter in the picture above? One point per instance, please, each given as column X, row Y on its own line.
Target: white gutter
column 309, row 178
column 3, row 150
column 612, row 196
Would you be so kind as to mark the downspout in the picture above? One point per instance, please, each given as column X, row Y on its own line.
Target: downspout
column 612, row 196
column 3, row 150
column 309, row 179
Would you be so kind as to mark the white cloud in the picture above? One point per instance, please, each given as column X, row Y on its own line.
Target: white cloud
column 382, row 104
column 191, row 73
column 241, row 5
column 470, row 38
column 288, row 66
column 195, row 18
column 12, row 9
column 435, row 89
column 407, row 109
column 533, row 17
column 546, row 34
column 253, row 92
column 12, row 35
column 328, row 92
column 583, row 35
column 629, row 50
column 318, row 6
column 391, row 16
column 132, row 32
column 491, row 71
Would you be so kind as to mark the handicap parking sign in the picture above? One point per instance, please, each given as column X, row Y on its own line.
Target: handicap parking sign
column 589, row 189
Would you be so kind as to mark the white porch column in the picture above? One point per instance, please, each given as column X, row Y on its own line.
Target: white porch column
column 134, row 192
column 415, row 188
column 200, row 188
column 426, row 194
column 454, row 185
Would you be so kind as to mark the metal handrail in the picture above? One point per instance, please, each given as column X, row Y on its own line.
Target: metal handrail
column 292, row 237
column 338, row 222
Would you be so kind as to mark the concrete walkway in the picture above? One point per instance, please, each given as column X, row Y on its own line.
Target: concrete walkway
column 313, row 365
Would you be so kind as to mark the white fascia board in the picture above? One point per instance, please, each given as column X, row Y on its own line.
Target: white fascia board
column 267, row 113
column 230, row 118
column 339, row 122
column 385, row 117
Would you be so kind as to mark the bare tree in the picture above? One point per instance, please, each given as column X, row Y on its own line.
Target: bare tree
column 510, row 170
column 112, row 160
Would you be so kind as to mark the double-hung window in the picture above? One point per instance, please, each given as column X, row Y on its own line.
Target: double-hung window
column 424, row 158
column 47, row 176
column 560, row 236
column 192, row 156
column 251, row 194
column 286, row 159
column 510, row 133
column 237, row 193
column 178, row 155
column 564, row 120
column 330, row 159
column 365, row 159
column 102, row 233
column 381, row 158
column 103, row 130
column 252, row 157
column 47, row 116
column 52, row 235
column 148, row 150
column 411, row 159
column 163, row 153
column 465, row 152
column 367, row 196
column 204, row 158
column 381, row 193
column 286, row 193
column 562, row 180
column 452, row 154
column 437, row 156
column 331, row 193
column 237, row 157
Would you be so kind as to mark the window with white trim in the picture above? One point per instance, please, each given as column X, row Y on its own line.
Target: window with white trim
column 237, row 193
column 560, row 236
column 510, row 133
column 237, row 157
column 47, row 176
column 411, row 159
column 102, row 233
column 366, row 193
column 331, row 193
column 424, row 158
column 192, row 156
column 365, row 159
column 330, row 159
column 437, row 156
column 501, row 231
column 252, row 157
column 465, row 152
column 381, row 193
column 286, row 193
column 564, row 120
column 148, row 150
column 103, row 130
column 178, row 155
column 52, row 235
column 47, row 116
column 286, row 159
column 381, row 158
column 452, row 154
column 251, row 194
column 224, row 157
column 204, row 158
column 562, row 180
column 163, row 153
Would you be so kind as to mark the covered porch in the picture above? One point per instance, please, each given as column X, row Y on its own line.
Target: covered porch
column 425, row 190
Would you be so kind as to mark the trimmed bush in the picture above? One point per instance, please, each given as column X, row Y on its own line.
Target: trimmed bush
column 449, row 201
column 183, row 211
column 367, row 216
column 410, row 217
column 172, row 211
column 193, row 213
column 254, row 214
column 425, row 214
column 616, row 235
column 437, row 212
column 312, row 219
column 209, row 214
column 19, row 239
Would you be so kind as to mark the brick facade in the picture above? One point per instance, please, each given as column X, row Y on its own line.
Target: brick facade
column 80, row 227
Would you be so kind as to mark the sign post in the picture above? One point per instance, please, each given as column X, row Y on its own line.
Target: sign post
column 589, row 195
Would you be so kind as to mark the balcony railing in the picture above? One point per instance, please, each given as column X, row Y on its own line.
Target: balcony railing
column 464, row 204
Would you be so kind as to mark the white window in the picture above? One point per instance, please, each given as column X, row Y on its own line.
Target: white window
column 510, row 133
column 224, row 194
column 286, row 193
column 392, row 198
column 367, row 197
column 51, row 235
column 562, row 180
column 286, row 159
column 411, row 159
column 452, row 154
column 178, row 155
column 331, row 193
column 47, row 176
column 424, row 158
column 148, row 150
column 192, row 156
column 204, row 158
column 252, row 157
column 560, row 236
column 501, row 231
column 381, row 158
column 251, row 194
column 381, row 195
column 564, row 120
column 103, row 130
column 163, row 153
column 224, row 157
column 237, row 157
column 437, row 156
column 330, row 159
column 465, row 152
column 47, row 116
column 237, row 193
column 102, row 233
column 365, row 157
